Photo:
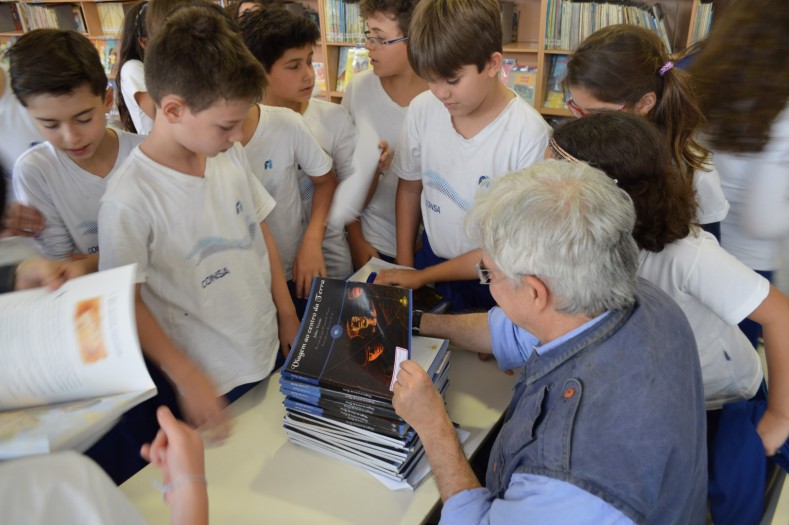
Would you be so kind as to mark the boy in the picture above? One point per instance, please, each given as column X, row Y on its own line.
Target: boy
column 381, row 97
column 280, row 146
column 468, row 129
column 58, row 77
column 283, row 42
column 186, row 208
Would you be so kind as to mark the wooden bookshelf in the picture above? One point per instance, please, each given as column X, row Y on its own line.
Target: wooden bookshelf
column 529, row 49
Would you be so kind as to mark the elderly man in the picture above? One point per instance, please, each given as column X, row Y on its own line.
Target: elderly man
column 606, row 424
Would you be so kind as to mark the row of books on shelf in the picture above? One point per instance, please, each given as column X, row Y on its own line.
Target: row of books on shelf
column 569, row 22
column 111, row 15
column 343, row 21
column 50, row 16
column 703, row 23
column 339, row 378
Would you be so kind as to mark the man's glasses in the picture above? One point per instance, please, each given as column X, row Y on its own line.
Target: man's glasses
column 376, row 42
column 483, row 273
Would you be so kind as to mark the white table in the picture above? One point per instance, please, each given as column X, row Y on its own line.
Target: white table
column 257, row 476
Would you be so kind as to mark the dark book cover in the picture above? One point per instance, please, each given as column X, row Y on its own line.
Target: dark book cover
column 389, row 427
column 350, row 335
column 329, row 401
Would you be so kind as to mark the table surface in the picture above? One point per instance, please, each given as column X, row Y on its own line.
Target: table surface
column 258, row 476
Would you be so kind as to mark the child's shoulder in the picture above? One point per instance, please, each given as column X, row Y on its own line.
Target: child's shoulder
column 323, row 109
column 41, row 153
column 278, row 116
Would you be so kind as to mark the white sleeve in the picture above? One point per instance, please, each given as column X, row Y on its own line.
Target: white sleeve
column 407, row 162
column 123, row 238
column 309, row 154
column 261, row 199
column 133, row 75
column 344, row 146
column 31, row 188
column 724, row 284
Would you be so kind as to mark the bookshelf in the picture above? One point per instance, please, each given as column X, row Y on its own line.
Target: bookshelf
column 528, row 49
column 101, row 21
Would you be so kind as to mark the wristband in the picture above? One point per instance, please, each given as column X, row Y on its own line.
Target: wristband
column 416, row 321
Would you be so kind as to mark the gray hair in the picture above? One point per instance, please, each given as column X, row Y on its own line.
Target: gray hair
column 566, row 223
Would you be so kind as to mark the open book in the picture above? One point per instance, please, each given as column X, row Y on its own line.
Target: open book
column 71, row 363
column 425, row 298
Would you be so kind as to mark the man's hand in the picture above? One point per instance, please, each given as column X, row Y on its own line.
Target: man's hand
column 412, row 279
column 416, row 399
column 35, row 272
column 22, row 220
column 308, row 263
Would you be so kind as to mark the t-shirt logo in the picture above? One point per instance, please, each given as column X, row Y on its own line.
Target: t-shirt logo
column 239, row 207
column 268, row 165
column 211, row 245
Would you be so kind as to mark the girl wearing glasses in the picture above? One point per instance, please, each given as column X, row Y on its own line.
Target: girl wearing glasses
column 627, row 68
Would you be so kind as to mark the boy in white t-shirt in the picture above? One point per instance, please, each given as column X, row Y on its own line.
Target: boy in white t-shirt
column 188, row 210
column 283, row 42
column 65, row 177
column 467, row 129
column 17, row 134
column 381, row 97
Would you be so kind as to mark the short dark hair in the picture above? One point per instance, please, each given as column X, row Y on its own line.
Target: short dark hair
column 159, row 10
column 399, row 10
column 271, row 31
column 199, row 57
column 55, row 62
column 633, row 151
column 447, row 35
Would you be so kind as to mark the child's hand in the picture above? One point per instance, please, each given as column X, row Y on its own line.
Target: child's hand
column 385, row 160
column 361, row 252
column 308, row 263
column 35, row 272
column 288, row 330
column 80, row 265
column 774, row 430
column 22, row 220
column 402, row 278
column 202, row 406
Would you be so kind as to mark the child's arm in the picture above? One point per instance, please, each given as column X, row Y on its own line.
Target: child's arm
column 287, row 320
column 361, row 250
column 197, row 395
column 462, row 268
column 309, row 261
column 22, row 220
column 408, row 212
column 773, row 315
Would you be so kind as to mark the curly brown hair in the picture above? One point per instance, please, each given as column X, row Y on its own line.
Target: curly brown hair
column 632, row 151
column 746, row 53
column 620, row 64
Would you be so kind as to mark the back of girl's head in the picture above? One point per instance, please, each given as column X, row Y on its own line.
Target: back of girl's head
column 398, row 10
column 271, row 31
column 622, row 63
column 131, row 48
column 632, row 151
column 742, row 75
column 54, row 62
column 199, row 56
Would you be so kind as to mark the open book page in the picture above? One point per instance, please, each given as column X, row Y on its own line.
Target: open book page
column 425, row 298
column 75, row 343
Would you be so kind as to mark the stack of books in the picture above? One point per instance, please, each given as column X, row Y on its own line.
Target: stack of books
column 339, row 377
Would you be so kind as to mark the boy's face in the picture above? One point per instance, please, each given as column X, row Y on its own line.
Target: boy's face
column 214, row 129
column 463, row 94
column 74, row 123
column 291, row 78
column 386, row 60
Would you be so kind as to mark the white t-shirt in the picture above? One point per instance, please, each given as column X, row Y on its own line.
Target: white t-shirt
column 65, row 488
column 716, row 291
column 17, row 131
column 202, row 259
column 280, row 146
column 366, row 100
column 133, row 81
column 713, row 205
column 757, row 187
column 332, row 127
column 452, row 167
column 67, row 195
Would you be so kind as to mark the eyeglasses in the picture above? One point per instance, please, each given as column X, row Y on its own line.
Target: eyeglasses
column 483, row 273
column 376, row 42
column 580, row 112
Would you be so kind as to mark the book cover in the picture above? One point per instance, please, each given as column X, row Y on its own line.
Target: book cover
column 342, row 61
column 523, row 81
column 425, row 298
column 320, row 78
column 350, row 336
column 554, row 97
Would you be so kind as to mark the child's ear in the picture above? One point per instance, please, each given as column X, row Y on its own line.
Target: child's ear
column 494, row 64
column 645, row 104
column 173, row 108
column 109, row 98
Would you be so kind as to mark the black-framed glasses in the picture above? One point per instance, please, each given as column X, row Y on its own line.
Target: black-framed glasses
column 374, row 41
column 483, row 273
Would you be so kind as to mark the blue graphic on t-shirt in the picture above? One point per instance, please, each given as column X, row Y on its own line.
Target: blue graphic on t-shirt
column 88, row 228
column 210, row 245
column 268, row 165
column 436, row 181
